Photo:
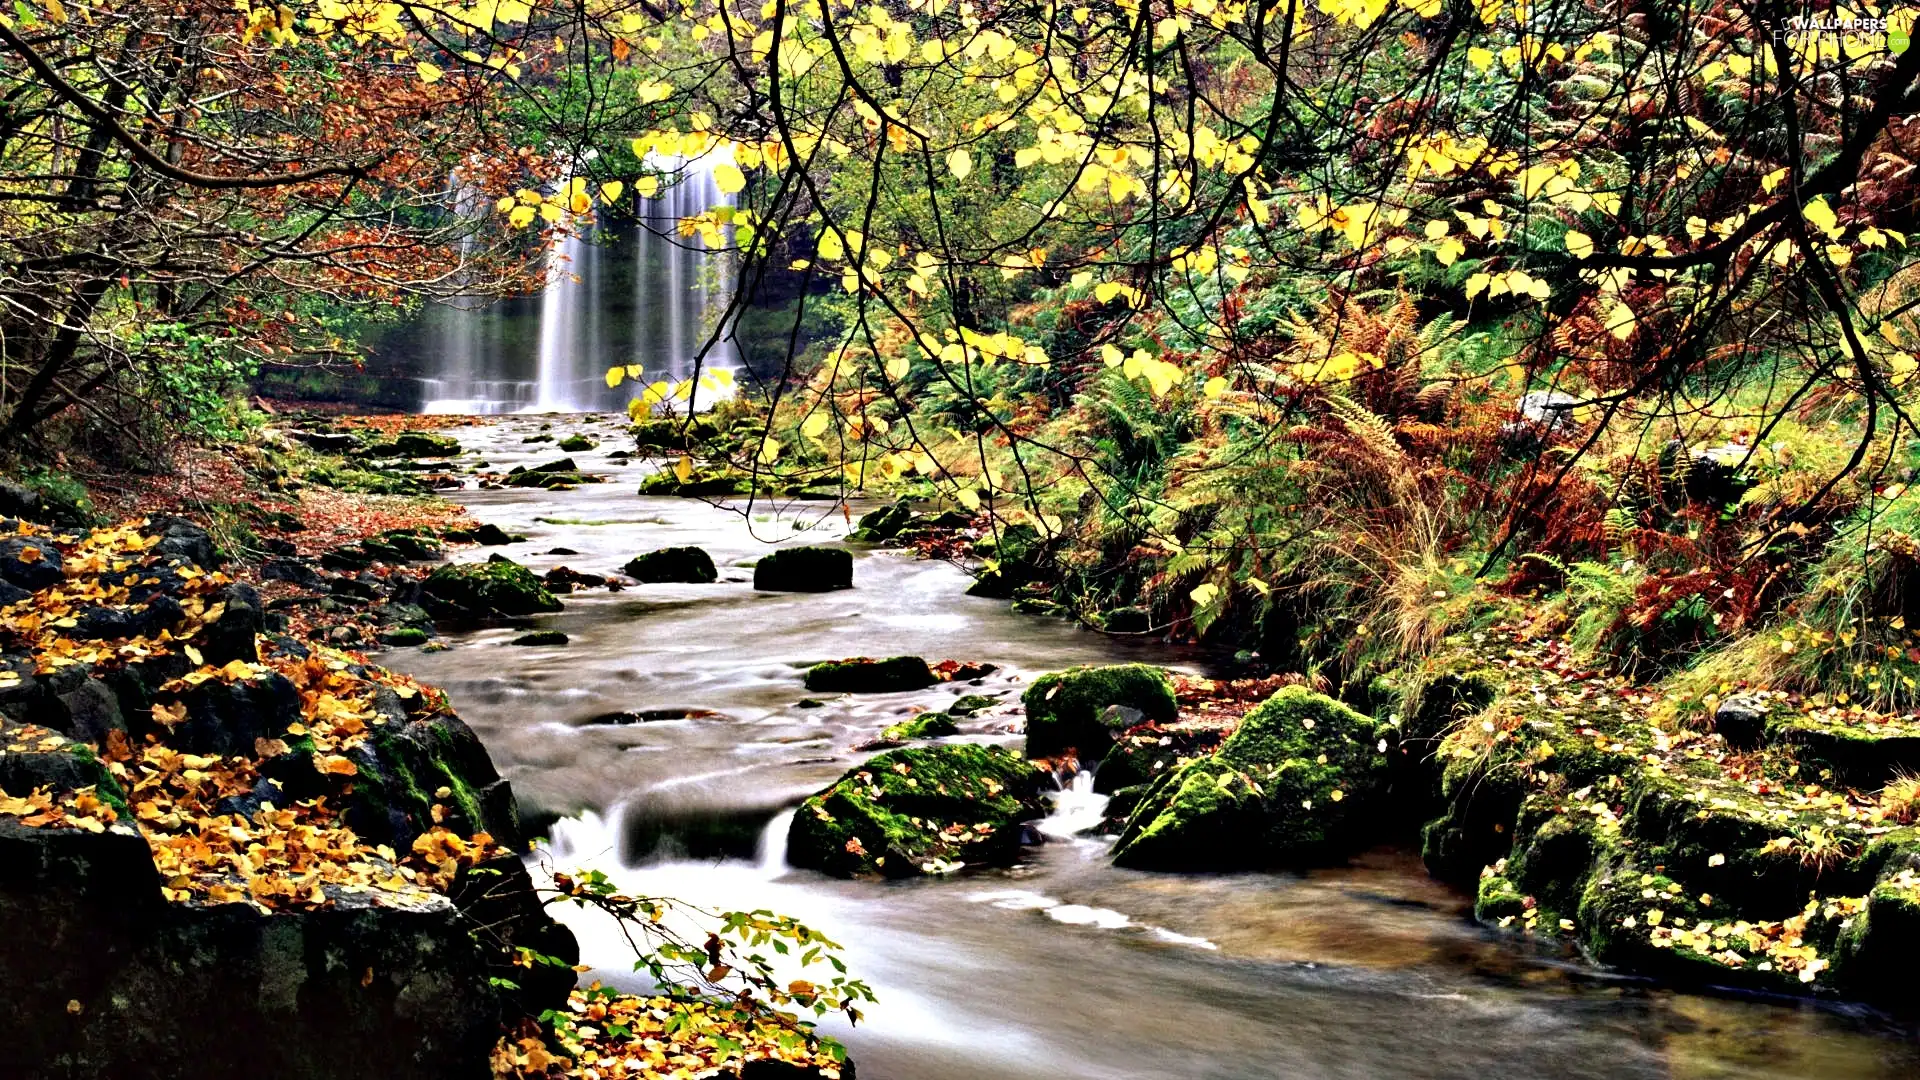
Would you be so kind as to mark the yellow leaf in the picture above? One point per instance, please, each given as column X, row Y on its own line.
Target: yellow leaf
column 728, row 178
column 522, row 216
column 1579, row 244
column 615, row 375
column 1215, row 386
column 960, row 163
column 611, row 191
column 898, row 366
column 428, row 73
column 1477, row 284
column 683, row 469
column 1821, row 216
column 815, row 424
column 969, row 498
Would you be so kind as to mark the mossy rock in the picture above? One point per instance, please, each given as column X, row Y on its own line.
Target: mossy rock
column 541, row 637
column 1877, row 953
column 403, row 636
column 1302, row 780
column 1141, row 757
column 919, row 810
column 931, row 725
column 495, row 588
column 1085, row 708
column 804, row 569
column 884, row 523
column 673, row 564
column 577, row 444
column 425, row 444
column 968, row 704
column 861, row 675
column 1861, row 751
column 665, row 434
column 699, row 485
column 549, row 480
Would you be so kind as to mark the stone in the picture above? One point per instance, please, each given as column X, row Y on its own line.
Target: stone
column 181, row 537
column 403, row 636
column 673, row 564
column 485, row 590
column 1068, row 710
column 541, row 637
column 919, row 810
column 577, row 444
column 30, row 563
column 968, row 704
column 861, row 675
column 234, row 634
column 425, row 444
column 886, row 522
column 931, row 725
column 1742, row 719
column 1302, row 780
column 804, row 569
column 1127, row 620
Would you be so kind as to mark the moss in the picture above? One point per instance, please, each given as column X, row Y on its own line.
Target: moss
column 918, row 810
column 1069, row 710
column 673, row 564
column 666, row 434
column 804, row 569
column 577, row 444
column 1498, row 899
column 495, row 587
column 968, row 704
column 1302, row 779
column 931, row 725
column 701, row 484
column 1877, row 953
column 860, row 675
column 404, row 636
column 1860, row 751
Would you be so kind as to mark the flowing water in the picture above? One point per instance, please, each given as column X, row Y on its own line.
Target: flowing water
column 670, row 733
column 634, row 292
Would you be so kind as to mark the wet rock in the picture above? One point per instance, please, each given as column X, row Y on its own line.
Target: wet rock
column 541, row 637
column 11, row 593
column 1127, row 620
column 328, row 442
column 425, row 444
column 577, row 444
column 968, row 704
column 1303, row 779
column 673, row 564
column 931, row 725
column 403, row 636
column 919, row 810
column 566, row 579
column 30, row 563
column 232, row 634
column 666, row 434
column 20, row 502
column 804, row 569
column 295, row 571
column 861, row 675
column 228, row 717
column 1070, row 710
column 700, row 485
column 884, row 523
column 485, row 590
column 488, row 534
column 1860, row 751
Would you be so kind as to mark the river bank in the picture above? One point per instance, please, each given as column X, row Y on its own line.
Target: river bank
column 1061, row 966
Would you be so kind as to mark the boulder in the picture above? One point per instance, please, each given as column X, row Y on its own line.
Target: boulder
column 804, row 569
column 861, row 675
column 541, row 637
column 1302, row 780
column 1742, row 719
column 968, row 704
column 492, row 589
column 182, row 538
column 1084, row 708
column 919, row 810
column 884, row 523
column 931, row 725
column 686, row 564
column 425, row 444
column 30, row 563
column 577, row 444
column 403, row 636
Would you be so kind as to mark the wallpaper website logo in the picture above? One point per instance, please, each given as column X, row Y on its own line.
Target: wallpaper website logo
column 1837, row 30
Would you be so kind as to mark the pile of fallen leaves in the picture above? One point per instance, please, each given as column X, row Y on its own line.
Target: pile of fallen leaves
column 214, row 838
column 607, row 1035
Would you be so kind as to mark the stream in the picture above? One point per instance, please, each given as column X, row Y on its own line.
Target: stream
column 669, row 737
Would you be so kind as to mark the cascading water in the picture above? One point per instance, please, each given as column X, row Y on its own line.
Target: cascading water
column 552, row 356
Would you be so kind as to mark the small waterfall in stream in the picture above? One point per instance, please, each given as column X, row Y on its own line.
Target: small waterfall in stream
column 638, row 293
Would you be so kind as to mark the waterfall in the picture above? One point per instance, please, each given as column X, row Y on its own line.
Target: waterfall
column 551, row 354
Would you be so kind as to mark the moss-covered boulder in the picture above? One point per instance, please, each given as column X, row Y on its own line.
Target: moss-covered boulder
column 862, row 675
column 1301, row 780
column 669, row 434
column 541, row 637
column 919, row 810
column 577, row 444
column 700, row 484
column 804, row 569
column 931, row 725
column 1860, row 749
column 425, row 444
column 481, row 590
column 682, row 564
column 1084, row 708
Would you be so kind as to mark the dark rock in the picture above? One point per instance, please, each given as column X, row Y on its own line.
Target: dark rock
column 577, row 444
column 1071, row 710
column 228, row 717
column 681, row 564
column 1742, row 720
column 541, row 637
column 233, row 633
column 403, row 636
column 804, row 569
column 567, row 579
column 12, row 594
column 485, row 590
column 488, row 534
column 1303, row 779
column 180, row 536
column 1127, row 620
column 968, row 704
column 20, row 502
column 886, row 522
column 861, row 675
column 918, row 810
column 562, row 551
column 328, row 442
column 30, row 563
column 931, row 725
column 425, row 444
column 293, row 570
